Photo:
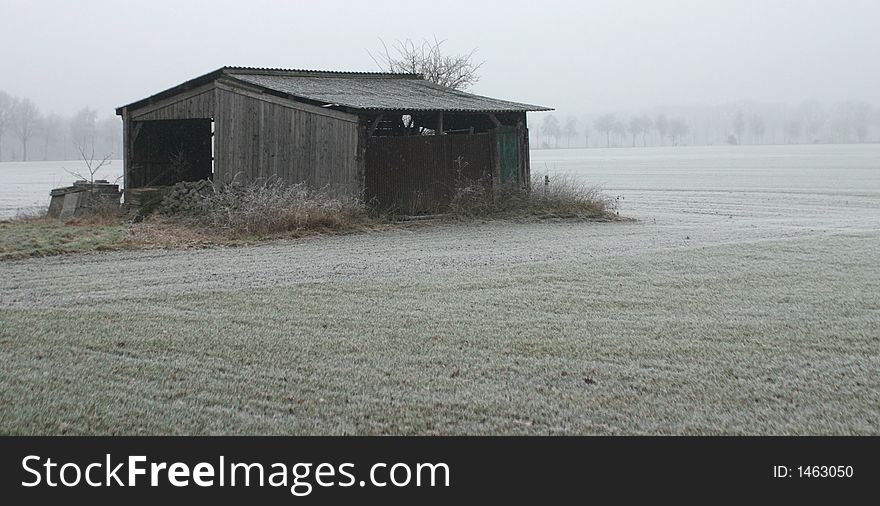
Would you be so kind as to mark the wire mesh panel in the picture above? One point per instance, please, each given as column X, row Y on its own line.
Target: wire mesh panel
column 420, row 174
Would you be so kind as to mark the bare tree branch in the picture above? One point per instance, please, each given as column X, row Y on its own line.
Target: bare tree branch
column 93, row 165
column 458, row 71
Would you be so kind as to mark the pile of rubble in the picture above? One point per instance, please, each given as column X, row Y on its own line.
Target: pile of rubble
column 185, row 198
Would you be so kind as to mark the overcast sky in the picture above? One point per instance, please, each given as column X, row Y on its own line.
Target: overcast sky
column 577, row 56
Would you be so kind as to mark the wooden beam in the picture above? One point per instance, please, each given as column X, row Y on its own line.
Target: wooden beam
column 494, row 120
column 373, row 125
column 126, row 152
column 254, row 92
column 439, row 123
column 496, row 158
column 185, row 95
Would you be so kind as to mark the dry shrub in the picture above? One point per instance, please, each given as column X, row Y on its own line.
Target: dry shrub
column 561, row 197
column 263, row 208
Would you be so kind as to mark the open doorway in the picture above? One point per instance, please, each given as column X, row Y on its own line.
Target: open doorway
column 166, row 152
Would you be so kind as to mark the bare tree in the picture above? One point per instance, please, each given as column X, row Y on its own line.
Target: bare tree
column 570, row 128
column 5, row 117
column 662, row 126
column 677, row 129
column 739, row 126
column 605, row 124
column 551, row 128
column 109, row 132
column 793, row 131
column 586, row 123
column 619, row 129
column 456, row 71
column 50, row 130
column 25, row 119
column 757, row 127
column 93, row 164
column 813, row 116
column 636, row 128
column 647, row 125
column 83, row 128
column 850, row 119
column 875, row 117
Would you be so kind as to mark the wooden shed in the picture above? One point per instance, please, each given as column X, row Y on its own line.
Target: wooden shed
column 395, row 140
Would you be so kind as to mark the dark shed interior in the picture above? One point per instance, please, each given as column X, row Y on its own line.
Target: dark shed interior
column 166, row 152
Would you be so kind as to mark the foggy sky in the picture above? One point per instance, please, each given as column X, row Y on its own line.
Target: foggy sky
column 577, row 56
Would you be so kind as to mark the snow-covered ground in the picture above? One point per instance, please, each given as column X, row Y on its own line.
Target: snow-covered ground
column 839, row 169
column 25, row 186
column 744, row 300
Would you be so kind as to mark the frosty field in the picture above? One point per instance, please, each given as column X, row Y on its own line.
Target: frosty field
column 25, row 186
column 744, row 300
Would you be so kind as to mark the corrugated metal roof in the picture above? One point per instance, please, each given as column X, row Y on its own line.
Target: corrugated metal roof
column 373, row 91
column 312, row 72
column 354, row 90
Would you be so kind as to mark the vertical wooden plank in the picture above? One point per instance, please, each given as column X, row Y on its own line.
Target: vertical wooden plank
column 495, row 157
column 361, row 162
column 265, row 138
column 126, row 151
column 525, row 158
column 265, row 133
column 199, row 106
column 218, row 136
column 313, row 142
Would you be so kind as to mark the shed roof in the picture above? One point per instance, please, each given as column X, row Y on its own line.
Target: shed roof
column 357, row 90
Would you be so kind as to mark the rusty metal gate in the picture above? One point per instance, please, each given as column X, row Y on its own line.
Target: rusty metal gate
column 420, row 174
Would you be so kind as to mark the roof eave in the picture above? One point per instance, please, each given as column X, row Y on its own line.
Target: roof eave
column 452, row 110
column 187, row 85
column 230, row 73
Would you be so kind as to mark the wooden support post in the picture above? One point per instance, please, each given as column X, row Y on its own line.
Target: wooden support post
column 361, row 177
column 496, row 158
column 440, row 123
column 373, row 125
column 494, row 120
column 126, row 151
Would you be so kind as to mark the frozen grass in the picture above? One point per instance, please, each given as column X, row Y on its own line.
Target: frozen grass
column 36, row 236
column 768, row 335
column 742, row 311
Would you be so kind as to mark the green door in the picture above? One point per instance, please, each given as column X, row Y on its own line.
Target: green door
column 508, row 149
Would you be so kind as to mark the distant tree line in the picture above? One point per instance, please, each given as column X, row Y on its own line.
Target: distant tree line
column 27, row 134
column 811, row 122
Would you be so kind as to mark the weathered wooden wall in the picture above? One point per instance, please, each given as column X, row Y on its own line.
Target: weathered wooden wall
column 260, row 135
column 194, row 104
